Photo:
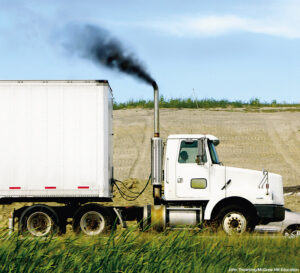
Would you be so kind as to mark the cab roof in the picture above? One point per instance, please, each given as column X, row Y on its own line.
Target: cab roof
column 212, row 138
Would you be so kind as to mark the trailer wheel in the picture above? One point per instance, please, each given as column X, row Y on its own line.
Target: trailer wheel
column 39, row 220
column 234, row 220
column 92, row 220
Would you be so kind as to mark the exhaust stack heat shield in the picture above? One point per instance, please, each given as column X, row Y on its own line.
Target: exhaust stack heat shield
column 156, row 160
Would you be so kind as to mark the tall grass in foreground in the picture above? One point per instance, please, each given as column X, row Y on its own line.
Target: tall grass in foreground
column 203, row 103
column 132, row 251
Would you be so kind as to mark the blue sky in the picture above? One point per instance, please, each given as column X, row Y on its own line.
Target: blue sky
column 235, row 50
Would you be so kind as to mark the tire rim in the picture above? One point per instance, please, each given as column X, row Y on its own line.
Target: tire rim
column 234, row 223
column 295, row 233
column 39, row 224
column 292, row 234
column 92, row 223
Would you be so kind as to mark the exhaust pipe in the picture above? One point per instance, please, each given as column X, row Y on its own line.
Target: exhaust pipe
column 156, row 109
column 156, row 152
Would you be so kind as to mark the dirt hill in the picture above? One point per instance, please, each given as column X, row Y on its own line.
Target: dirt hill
column 253, row 140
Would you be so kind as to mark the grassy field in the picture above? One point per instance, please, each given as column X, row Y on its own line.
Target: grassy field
column 132, row 251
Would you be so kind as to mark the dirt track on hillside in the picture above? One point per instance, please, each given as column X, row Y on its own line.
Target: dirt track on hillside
column 248, row 140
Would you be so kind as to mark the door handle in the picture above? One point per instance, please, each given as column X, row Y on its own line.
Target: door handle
column 179, row 180
column 167, row 171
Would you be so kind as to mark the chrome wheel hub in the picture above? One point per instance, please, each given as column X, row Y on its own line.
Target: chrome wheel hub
column 234, row 223
column 92, row 223
column 39, row 223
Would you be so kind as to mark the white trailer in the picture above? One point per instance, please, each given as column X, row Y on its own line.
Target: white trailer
column 56, row 139
column 56, row 146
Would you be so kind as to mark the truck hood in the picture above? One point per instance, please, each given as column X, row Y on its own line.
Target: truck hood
column 254, row 183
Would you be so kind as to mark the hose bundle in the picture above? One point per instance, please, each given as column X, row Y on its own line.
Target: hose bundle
column 133, row 194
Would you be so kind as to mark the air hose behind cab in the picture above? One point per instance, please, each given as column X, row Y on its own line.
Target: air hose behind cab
column 134, row 195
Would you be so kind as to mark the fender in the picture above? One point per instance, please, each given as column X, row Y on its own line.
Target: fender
column 238, row 200
column 210, row 206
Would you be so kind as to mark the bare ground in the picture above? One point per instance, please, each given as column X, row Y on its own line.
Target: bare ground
column 253, row 140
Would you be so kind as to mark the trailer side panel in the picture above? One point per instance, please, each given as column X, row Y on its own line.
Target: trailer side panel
column 55, row 139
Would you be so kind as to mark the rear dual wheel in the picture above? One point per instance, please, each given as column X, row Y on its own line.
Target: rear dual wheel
column 92, row 220
column 39, row 221
column 42, row 220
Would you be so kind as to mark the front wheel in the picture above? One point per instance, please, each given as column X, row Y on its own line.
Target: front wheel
column 235, row 220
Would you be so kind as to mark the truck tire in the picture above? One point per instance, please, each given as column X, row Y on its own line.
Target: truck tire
column 39, row 220
column 235, row 220
column 292, row 231
column 92, row 220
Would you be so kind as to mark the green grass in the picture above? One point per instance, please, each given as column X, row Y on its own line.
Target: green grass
column 202, row 104
column 132, row 251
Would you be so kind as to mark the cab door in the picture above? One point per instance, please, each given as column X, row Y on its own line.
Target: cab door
column 192, row 180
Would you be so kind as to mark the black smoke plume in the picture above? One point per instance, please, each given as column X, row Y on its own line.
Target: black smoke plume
column 99, row 46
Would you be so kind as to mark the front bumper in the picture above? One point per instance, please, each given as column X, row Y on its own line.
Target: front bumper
column 270, row 213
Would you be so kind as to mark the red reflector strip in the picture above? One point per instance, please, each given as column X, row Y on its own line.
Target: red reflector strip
column 14, row 188
column 83, row 187
column 50, row 188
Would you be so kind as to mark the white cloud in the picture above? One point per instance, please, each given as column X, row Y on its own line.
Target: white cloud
column 221, row 25
column 275, row 18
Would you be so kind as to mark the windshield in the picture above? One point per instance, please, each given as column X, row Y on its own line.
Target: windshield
column 213, row 153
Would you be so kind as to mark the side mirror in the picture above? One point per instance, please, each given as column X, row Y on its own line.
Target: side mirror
column 201, row 156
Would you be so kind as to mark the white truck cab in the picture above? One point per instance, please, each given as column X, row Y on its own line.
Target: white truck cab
column 194, row 175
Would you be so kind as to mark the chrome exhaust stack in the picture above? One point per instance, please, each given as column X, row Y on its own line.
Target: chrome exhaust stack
column 156, row 151
column 156, row 109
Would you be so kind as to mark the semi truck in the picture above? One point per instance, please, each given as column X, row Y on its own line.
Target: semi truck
column 56, row 153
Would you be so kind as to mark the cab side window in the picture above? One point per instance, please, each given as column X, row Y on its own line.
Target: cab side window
column 188, row 152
